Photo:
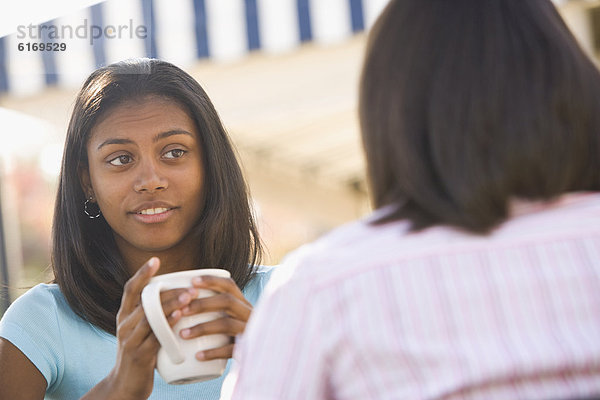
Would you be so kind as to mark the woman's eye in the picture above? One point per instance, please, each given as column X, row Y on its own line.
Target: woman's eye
column 121, row 160
column 175, row 153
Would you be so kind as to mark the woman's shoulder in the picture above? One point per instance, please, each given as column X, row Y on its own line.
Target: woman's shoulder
column 32, row 321
column 265, row 270
column 255, row 287
column 48, row 290
column 263, row 274
column 42, row 325
column 40, row 296
column 40, row 303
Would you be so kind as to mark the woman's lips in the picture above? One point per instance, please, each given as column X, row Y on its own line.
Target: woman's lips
column 153, row 215
column 153, row 211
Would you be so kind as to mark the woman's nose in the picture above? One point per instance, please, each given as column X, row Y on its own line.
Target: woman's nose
column 150, row 178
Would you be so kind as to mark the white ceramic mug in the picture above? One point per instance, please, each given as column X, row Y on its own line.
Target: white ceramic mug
column 176, row 358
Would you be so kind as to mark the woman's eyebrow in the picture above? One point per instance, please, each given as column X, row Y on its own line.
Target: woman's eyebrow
column 114, row 141
column 158, row 137
column 173, row 132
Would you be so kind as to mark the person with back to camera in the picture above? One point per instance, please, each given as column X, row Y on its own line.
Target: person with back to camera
column 149, row 185
column 478, row 274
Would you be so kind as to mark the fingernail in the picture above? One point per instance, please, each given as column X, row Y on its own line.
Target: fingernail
column 153, row 262
column 197, row 280
column 185, row 333
column 185, row 310
column 184, row 298
column 200, row 356
column 175, row 314
column 193, row 292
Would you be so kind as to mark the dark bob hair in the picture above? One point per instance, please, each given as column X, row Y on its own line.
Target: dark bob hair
column 466, row 105
column 86, row 262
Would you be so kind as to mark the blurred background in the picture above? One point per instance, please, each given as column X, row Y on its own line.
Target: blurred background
column 283, row 74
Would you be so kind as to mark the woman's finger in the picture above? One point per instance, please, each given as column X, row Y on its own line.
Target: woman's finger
column 133, row 288
column 168, row 295
column 136, row 327
column 221, row 302
column 228, row 326
column 218, row 353
column 174, row 318
column 131, row 320
column 135, row 330
column 220, row 285
column 173, row 300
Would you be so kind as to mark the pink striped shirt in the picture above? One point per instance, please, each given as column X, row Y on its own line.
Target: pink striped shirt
column 374, row 312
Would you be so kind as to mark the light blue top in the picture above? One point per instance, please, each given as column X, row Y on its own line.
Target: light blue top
column 74, row 355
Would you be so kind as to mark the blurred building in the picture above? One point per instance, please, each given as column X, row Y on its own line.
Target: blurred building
column 283, row 75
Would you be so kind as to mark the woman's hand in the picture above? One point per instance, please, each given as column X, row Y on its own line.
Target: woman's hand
column 230, row 300
column 133, row 374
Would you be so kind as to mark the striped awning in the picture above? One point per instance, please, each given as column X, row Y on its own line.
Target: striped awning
column 64, row 50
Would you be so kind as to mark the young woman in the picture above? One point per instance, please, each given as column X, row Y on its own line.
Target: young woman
column 478, row 276
column 149, row 185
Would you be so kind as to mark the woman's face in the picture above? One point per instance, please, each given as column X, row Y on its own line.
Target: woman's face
column 146, row 173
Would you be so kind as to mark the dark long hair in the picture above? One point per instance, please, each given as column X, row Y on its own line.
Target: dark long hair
column 465, row 105
column 86, row 262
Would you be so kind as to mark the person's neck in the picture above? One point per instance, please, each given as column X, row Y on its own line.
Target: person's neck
column 172, row 260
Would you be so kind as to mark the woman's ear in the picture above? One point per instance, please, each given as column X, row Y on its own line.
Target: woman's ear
column 86, row 182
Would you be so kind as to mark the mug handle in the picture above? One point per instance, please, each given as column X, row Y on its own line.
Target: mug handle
column 158, row 322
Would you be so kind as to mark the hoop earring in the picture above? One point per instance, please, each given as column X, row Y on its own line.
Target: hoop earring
column 86, row 211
